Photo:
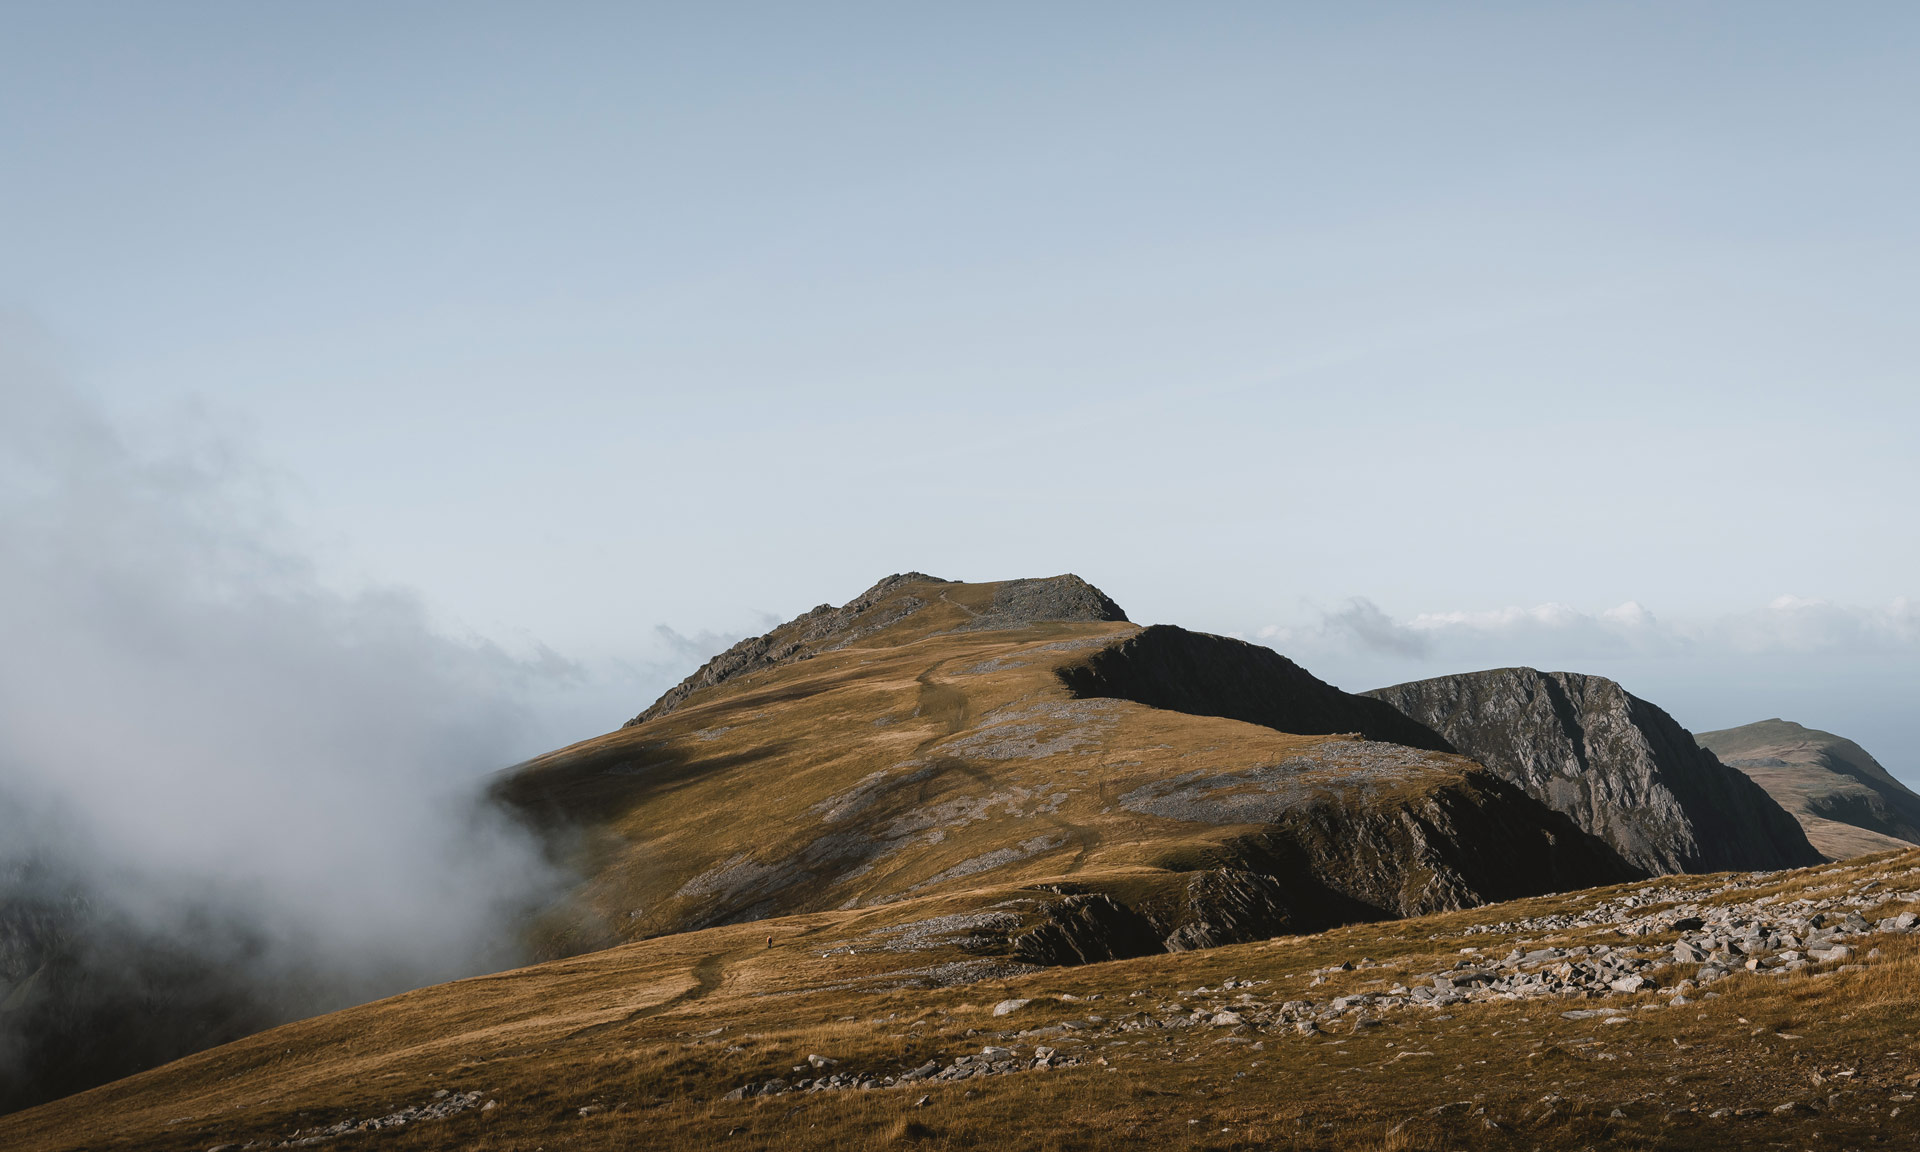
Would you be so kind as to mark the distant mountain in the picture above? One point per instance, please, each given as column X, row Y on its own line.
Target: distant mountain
column 1624, row 770
column 1846, row 801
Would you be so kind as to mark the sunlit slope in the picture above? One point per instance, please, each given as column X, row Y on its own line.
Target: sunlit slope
column 928, row 744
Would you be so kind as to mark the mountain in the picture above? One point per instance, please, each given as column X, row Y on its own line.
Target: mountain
column 1134, row 789
column 1621, row 768
column 1121, row 881
column 1845, row 800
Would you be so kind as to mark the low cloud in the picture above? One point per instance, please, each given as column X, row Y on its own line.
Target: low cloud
column 207, row 755
column 1362, row 622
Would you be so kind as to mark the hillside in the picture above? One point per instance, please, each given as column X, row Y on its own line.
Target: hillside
column 1701, row 1012
column 1620, row 767
column 1847, row 802
column 933, row 737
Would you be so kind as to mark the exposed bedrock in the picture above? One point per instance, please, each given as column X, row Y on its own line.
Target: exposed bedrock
column 1329, row 862
column 1205, row 675
column 799, row 638
column 1620, row 767
column 1085, row 928
column 1045, row 600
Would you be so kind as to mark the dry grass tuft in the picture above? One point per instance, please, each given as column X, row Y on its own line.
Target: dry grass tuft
column 909, row 1132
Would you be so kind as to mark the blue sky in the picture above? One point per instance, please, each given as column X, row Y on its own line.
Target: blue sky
column 1407, row 337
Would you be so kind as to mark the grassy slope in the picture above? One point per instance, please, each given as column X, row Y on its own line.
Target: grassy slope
column 1828, row 782
column 652, row 1034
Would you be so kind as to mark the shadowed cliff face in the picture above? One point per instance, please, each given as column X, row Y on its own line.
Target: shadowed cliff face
column 1621, row 768
column 1205, row 675
column 1847, row 802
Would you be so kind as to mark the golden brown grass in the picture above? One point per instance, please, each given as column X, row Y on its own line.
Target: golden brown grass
column 633, row 1031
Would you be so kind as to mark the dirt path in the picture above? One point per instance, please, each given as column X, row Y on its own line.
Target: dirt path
column 708, row 974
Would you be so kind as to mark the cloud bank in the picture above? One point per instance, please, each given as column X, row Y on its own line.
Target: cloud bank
column 210, row 758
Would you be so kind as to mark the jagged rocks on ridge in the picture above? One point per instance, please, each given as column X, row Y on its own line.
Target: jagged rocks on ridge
column 1015, row 603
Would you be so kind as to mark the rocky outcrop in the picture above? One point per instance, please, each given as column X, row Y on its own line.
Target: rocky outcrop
column 1084, row 928
column 1841, row 795
column 1018, row 603
column 1204, row 675
column 823, row 628
column 1340, row 858
column 1344, row 857
column 1621, row 768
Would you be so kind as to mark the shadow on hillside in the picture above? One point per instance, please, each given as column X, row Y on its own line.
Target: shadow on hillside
column 596, row 785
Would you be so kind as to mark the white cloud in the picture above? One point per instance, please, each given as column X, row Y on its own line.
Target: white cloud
column 208, row 724
column 1787, row 624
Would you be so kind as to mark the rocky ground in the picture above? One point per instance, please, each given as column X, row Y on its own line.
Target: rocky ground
column 1715, row 934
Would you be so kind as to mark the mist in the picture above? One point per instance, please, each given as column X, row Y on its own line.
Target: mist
column 223, row 783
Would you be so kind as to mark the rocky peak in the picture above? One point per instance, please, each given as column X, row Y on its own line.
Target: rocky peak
column 1013, row 604
column 1620, row 767
column 1017, row 603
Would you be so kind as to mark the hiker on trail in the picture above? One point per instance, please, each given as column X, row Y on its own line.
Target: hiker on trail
column 769, row 941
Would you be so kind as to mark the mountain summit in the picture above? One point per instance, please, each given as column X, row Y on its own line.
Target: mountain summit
column 1055, row 599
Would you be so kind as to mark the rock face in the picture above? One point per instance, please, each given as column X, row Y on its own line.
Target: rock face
column 1845, row 800
column 1336, row 858
column 1205, row 675
column 1333, row 859
column 826, row 628
column 1053, row 599
column 1620, row 767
